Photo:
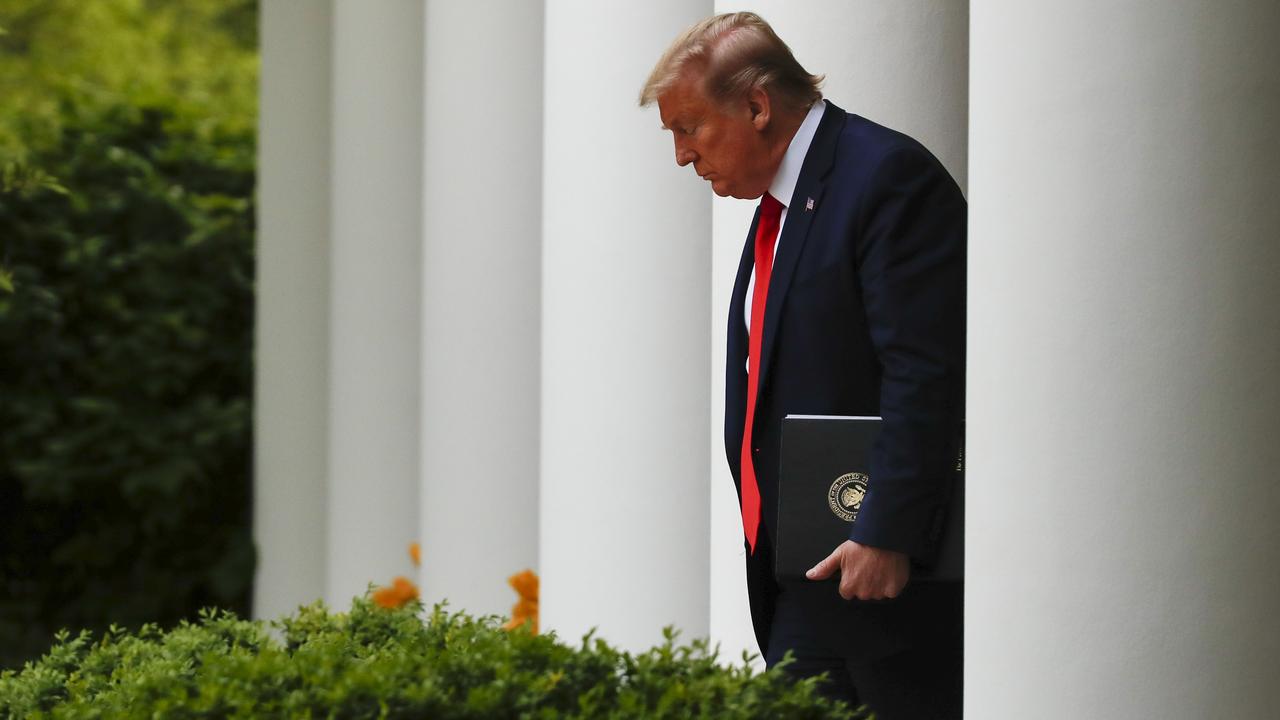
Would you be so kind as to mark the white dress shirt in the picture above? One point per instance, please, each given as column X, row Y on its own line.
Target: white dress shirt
column 784, row 183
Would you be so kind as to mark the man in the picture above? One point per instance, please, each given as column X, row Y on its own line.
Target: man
column 849, row 300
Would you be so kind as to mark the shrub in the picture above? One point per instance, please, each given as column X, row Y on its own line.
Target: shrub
column 376, row 663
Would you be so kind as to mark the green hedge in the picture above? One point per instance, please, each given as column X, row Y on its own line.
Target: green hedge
column 376, row 663
column 126, row 316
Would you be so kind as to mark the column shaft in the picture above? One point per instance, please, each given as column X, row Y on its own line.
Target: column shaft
column 481, row 297
column 626, row 269
column 292, row 312
column 376, row 293
column 1123, row 346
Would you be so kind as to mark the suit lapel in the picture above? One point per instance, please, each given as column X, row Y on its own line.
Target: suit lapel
column 736, row 350
column 805, row 204
column 737, row 341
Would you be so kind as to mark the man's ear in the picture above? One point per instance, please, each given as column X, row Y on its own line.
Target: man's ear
column 758, row 104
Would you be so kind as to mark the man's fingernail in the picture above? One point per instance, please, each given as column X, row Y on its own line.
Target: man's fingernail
column 811, row 572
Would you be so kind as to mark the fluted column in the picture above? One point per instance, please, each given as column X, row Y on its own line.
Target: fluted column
column 902, row 64
column 376, row 293
column 481, row 275
column 1124, row 341
column 625, row 307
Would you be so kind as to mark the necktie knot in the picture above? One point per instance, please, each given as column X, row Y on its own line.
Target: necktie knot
column 770, row 208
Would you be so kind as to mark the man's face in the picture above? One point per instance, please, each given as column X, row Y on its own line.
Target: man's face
column 726, row 145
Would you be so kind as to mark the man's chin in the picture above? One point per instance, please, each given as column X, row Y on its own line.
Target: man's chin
column 725, row 191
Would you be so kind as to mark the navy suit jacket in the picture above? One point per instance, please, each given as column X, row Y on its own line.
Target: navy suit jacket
column 865, row 316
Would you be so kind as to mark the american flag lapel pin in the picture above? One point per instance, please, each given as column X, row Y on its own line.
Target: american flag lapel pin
column 808, row 204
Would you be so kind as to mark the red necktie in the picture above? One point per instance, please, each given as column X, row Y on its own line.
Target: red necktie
column 766, row 236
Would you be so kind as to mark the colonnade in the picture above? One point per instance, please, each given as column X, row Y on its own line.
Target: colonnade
column 491, row 317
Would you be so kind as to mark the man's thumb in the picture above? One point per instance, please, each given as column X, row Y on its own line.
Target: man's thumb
column 826, row 568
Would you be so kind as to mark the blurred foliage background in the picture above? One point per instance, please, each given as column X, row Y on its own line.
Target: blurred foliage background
column 127, row 155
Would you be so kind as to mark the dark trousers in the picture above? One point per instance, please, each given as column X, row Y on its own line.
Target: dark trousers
column 903, row 658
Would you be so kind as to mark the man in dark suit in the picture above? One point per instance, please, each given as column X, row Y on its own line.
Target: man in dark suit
column 849, row 300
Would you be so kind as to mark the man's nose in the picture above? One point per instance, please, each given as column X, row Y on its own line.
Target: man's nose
column 684, row 156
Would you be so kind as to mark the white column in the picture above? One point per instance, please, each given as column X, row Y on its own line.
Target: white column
column 626, row 270
column 292, row 334
column 902, row 64
column 481, row 297
column 1124, row 341
column 376, row 293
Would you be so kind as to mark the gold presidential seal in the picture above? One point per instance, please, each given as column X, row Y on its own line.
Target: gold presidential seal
column 845, row 495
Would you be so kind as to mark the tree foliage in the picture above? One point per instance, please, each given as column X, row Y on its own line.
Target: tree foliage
column 126, row 260
column 57, row 57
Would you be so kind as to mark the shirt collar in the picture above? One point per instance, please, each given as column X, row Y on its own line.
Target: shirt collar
column 788, row 174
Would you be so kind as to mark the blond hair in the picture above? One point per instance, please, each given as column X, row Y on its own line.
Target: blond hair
column 736, row 53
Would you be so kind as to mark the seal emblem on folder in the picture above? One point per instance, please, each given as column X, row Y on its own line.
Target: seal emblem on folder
column 845, row 495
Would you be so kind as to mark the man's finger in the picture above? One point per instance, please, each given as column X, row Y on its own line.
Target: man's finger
column 826, row 568
column 847, row 589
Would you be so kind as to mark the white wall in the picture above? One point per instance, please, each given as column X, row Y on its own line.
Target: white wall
column 1124, row 339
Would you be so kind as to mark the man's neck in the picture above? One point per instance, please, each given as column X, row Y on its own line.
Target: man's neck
column 789, row 123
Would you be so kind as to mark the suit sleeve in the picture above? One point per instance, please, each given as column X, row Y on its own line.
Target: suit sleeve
column 910, row 256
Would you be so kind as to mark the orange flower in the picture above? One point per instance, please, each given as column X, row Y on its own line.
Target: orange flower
column 401, row 593
column 525, row 583
column 415, row 554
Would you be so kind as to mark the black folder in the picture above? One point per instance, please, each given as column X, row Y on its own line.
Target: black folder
column 824, row 473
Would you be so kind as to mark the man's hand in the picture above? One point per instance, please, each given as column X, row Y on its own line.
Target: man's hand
column 866, row 572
